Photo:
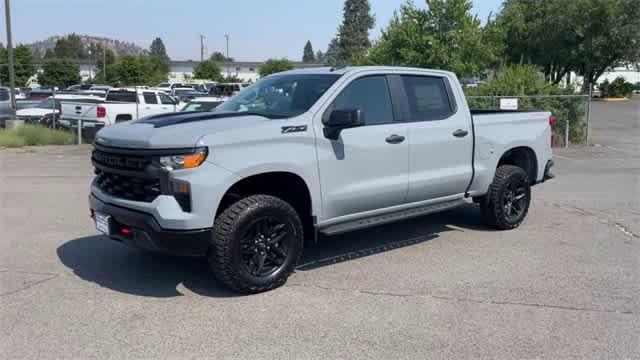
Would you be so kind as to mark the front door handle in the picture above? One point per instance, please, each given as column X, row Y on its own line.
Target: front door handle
column 395, row 139
column 460, row 133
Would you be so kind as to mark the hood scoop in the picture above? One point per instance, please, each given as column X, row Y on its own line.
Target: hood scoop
column 163, row 120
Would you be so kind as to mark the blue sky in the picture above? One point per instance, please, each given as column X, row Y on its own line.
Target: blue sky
column 258, row 29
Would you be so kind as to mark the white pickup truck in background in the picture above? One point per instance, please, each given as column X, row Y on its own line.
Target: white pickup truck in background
column 119, row 105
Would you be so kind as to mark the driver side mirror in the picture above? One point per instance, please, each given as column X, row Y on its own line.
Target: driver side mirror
column 339, row 120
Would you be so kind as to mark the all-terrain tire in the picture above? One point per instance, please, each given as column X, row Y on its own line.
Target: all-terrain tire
column 225, row 255
column 495, row 206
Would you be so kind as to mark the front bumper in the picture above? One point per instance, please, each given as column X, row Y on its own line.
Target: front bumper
column 144, row 232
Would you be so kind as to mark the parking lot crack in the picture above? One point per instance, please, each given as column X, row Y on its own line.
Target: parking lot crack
column 29, row 284
column 457, row 299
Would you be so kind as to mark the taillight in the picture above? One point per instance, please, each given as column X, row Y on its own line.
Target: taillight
column 101, row 112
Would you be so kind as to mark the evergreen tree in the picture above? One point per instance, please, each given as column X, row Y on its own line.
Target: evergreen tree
column 159, row 58
column 331, row 56
column 158, row 51
column 353, row 33
column 308, row 55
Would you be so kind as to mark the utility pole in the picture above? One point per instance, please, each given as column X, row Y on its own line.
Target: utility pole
column 12, row 75
column 228, row 64
column 203, row 47
column 104, row 63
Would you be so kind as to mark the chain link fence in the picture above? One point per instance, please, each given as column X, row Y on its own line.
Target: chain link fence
column 572, row 112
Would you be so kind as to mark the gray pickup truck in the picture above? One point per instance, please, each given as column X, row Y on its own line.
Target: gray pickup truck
column 5, row 105
column 325, row 150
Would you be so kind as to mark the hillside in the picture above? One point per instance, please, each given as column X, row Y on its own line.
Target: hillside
column 118, row 46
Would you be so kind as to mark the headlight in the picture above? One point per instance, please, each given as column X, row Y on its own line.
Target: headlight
column 184, row 161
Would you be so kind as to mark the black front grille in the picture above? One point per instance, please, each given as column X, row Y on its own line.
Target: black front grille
column 125, row 176
column 128, row 187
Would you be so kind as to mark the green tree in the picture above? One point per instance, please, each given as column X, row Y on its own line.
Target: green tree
column 70, row 47
column 515, row 80
column 273, row 66
column 208, row 69
column 23, row 61
column 159, row 57
column 136, row 70
column 331, row 56
column 444, row 36
column 320, row 57
column 353, row 34
column 59, row 72
column 308, row 55
column 586, row 36
column 102, row 57
column 157, row 50
column 220, row 57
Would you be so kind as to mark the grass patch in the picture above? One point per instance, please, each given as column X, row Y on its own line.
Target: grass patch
column 35, row 135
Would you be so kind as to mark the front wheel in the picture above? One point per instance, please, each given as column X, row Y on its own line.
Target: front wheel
column 506, row 204
column 257, row 244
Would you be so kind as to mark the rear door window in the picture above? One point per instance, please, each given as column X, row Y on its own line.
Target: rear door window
column 150, row 98
column 166, row 99
column 427, row 97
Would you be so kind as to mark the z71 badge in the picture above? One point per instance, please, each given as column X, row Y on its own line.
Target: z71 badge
column 292, row 129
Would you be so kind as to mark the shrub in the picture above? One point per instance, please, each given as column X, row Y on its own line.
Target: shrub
column 35, row 135
column 527, row 81
column 619, row 88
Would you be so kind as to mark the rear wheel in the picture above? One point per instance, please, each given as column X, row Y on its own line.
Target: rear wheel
column 257, row 244
column 507, row 203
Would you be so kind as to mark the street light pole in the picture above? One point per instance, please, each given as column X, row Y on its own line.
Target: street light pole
column 12, row 75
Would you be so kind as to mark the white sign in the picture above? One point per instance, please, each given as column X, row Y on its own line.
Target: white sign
column 508, row 104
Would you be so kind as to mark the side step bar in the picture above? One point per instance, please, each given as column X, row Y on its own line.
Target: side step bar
column 390, row 217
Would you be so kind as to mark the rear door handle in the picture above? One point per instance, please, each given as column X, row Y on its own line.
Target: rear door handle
column 395, row 139
column 460, row 133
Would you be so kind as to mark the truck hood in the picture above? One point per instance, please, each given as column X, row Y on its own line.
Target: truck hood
column 144, row 134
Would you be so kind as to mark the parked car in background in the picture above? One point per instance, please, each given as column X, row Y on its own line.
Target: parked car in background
column 312, row 151
column 205, row 103
column 185, row 95
column 227, row 89
column 5, row 105
column 168, row 87
column 79, row 87
column 45, row 111
column 119, row 105
column 39, row 94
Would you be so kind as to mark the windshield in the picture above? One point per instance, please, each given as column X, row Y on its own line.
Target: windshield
column 201, row 106
column 47, row 104
column 280, row 95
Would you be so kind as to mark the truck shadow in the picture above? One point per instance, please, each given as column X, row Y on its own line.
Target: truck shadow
column 113, row 265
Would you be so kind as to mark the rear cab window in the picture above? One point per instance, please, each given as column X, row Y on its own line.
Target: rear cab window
column 122, row 96
column 428, row 98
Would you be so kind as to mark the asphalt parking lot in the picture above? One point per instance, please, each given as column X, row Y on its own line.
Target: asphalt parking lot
column 564, row 285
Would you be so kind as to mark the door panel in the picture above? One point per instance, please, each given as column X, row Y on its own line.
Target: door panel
column 439, row 161
column 367, row 167
column 361, row 171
